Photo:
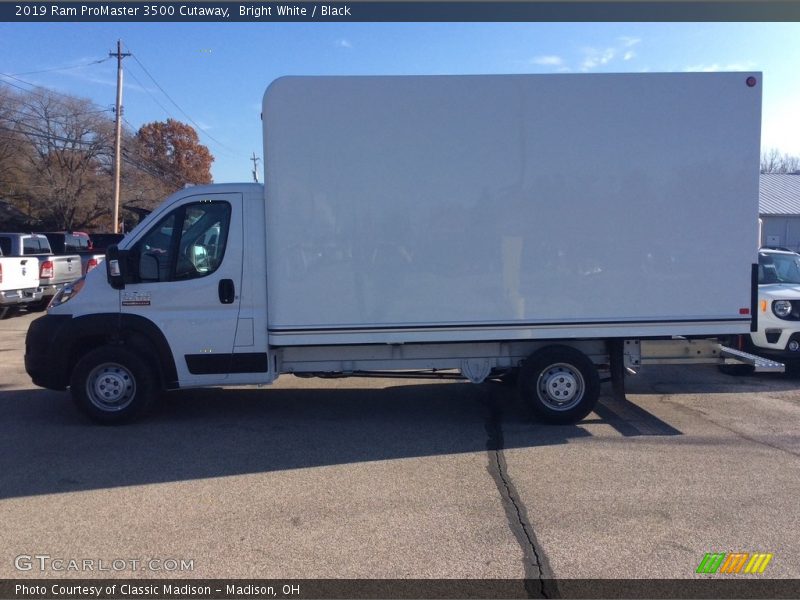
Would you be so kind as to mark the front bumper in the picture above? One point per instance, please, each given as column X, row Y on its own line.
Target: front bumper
column 45, row 359
column 777, row 340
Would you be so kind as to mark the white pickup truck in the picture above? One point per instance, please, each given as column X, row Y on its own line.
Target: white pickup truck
column 54, row 270
column 19, row 282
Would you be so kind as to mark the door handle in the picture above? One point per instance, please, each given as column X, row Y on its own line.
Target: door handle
column 227, row 291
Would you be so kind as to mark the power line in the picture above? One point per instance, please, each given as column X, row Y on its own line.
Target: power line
column 46, row 136
column 68, row 68
column 50, row 117
column 27, row 91
column 169, row 114
column 38, row 90
column 139, row 162
column 49, row 121
column 200, row 129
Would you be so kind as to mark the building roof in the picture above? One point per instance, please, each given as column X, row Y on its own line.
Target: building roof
column 779, row 194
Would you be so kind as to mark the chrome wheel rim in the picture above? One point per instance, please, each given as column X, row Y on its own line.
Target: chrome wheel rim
column 110, row 387
column 560, row 386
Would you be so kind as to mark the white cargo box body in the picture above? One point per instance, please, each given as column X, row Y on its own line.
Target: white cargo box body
column 404, row 209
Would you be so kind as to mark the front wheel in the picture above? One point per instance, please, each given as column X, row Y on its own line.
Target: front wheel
column 113, row 385
column 560, row 384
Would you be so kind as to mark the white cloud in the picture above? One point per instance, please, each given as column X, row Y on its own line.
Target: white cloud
column 343, row 43
column 548, row 61
column 594, row 58
column 745, row 66
column 628, row 42
column 621, row 49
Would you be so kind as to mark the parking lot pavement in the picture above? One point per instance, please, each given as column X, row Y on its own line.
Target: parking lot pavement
column 693, row 462
column 397, row 478
column 12, row 350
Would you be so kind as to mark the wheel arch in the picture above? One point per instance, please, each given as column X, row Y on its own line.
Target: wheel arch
column 86, row 333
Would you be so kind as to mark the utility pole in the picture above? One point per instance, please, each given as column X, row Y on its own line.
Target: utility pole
column 255, row 160
column 118, row 133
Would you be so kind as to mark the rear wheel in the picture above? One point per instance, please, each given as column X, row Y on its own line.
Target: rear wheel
column 112, row 384
column 560, row 384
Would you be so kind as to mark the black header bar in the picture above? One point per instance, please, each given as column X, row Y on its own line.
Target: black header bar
column 367, row 11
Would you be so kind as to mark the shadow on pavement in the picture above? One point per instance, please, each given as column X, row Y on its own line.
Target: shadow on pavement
column 707, row 379
column 48, row 447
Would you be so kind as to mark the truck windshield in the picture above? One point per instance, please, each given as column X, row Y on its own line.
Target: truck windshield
column 778, row 268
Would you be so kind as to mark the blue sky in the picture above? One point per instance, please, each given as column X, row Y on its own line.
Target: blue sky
column 217, row 72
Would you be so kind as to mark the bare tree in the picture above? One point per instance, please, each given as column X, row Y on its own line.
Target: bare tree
column 13, row 147
column 56, row 159
column 772, row 161
column 71, row 144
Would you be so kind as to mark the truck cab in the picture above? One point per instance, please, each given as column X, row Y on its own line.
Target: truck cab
column 188, row 308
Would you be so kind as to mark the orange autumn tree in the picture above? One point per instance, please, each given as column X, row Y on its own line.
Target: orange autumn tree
column 172, row 150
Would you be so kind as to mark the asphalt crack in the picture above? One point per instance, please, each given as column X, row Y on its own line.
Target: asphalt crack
column 539, row 581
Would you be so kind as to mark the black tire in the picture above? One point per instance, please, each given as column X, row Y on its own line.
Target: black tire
column 559, row 384
column 737, row 370
column 113, row 385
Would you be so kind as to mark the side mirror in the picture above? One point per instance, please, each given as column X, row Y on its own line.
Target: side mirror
column 115, row 267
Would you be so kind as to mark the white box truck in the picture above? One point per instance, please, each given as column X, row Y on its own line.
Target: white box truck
column 554, row 226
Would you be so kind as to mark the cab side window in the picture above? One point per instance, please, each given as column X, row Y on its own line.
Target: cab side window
column 186, row 244
column 203, row 237
column 154, row 251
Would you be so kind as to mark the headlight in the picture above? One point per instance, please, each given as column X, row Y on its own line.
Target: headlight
column 67, row 293
column 782, row 308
